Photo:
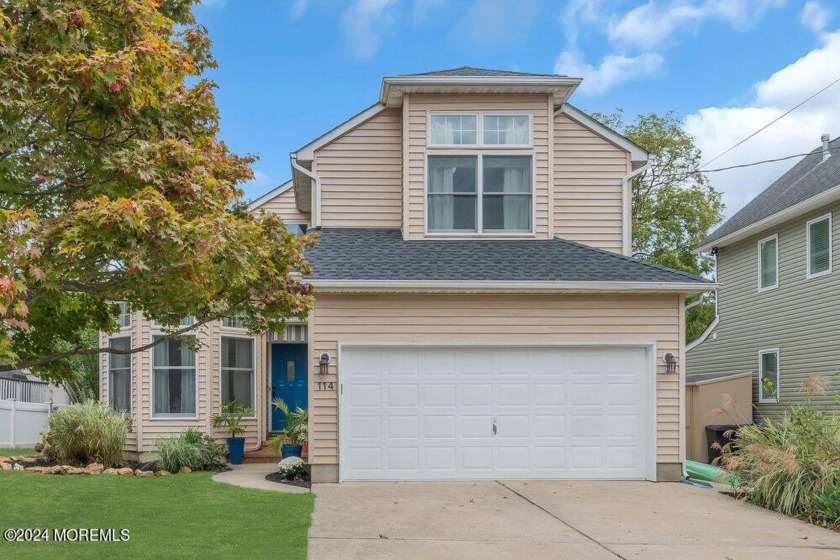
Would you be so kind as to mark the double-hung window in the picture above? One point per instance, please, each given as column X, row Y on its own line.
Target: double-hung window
column 119, row 374
column 818, row 233
column 125, row 315
column 174, row 379
column 768, row 263
column 480, row 194
column 238, row 371
column 768, row 378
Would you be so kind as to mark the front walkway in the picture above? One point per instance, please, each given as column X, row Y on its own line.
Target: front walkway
column 252, row 475
column 552, row 519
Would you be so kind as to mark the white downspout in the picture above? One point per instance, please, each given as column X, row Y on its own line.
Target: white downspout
column 317, row 210
column 626, row 216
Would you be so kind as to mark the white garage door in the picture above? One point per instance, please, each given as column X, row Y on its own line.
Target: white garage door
column 457, row 412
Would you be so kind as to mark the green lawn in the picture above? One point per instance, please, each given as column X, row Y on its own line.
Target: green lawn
column 4, row 452
column 180, row 516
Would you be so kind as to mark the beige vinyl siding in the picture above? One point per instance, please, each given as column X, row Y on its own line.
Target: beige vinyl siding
column 419, row 107
column 104, row 395
column 588, row 173
column 361, row 175
column 284, row 204
column 801, row 317
column 493, row 318
column 147, row 430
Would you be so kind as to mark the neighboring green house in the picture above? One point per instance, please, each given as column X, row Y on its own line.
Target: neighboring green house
column 778, row 307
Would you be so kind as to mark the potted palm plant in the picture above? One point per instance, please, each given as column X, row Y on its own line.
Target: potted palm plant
column 289, row 443
column 230, row 419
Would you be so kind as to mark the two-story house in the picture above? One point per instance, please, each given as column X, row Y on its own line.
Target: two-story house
column 779, row 292
column 476, row 311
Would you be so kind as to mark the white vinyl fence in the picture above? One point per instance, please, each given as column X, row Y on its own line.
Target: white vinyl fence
column 24, row 410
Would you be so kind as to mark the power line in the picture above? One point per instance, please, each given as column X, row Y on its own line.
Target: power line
column 777, row 119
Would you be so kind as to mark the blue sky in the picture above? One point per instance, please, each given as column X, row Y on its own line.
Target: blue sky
column 290, row 70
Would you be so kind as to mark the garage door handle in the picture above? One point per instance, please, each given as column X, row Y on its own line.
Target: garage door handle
column 494, row 426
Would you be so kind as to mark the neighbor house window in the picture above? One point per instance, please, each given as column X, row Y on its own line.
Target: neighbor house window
column 119, row 374
column 768, row 379
column 125, row 314
column 768, row 263
column 481, row 193
column 173, row 379
column 507, row 130
column 238, row 371
column 453, row 130
column 819, row 246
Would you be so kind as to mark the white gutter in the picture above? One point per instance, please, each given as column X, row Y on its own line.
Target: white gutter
column 496, row 286
column 626, row 216
column 314, row 177
column 702, row 338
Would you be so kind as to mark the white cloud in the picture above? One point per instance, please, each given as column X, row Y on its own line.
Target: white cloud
column 815, row 16
column 298, row 9
column 613, row 70
column 500, row 22
column 364, row 23
column 651, row 24
column 718, row 128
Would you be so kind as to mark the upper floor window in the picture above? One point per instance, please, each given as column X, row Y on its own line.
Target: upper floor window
column 234, row 321
column 296, row 228
column 184, row 322
column 819, row 246
column 480, row 129
column 125, row 314
column 768, row 263
column 480, row 194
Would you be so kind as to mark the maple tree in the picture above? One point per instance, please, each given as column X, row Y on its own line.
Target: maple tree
column 115, row 187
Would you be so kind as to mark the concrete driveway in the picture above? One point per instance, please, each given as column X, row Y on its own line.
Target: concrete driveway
column 552, row 519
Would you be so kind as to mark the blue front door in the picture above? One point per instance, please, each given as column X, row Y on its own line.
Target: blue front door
column 288, row 380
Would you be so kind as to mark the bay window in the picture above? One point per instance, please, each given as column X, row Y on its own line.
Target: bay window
column 119, row 374
column 238, row 371
column 174, row 379
column 480, row 194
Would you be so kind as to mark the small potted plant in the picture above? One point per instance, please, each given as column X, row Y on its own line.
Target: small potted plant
column 289, row 443
column 230, row 420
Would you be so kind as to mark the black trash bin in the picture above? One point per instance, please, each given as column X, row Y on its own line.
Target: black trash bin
column 720, row 434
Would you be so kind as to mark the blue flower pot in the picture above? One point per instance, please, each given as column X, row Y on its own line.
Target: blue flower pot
column 292, row 450
column 236, row 449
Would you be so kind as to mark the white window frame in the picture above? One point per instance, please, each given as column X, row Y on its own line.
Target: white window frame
column 169, row 417
column 761, row 398
column 157, row 325
column 479, row 194
column 774, row 237
column 479, row 129
column 224, row 327
column 130, row 373
column 808, row 273
column 125, row 311
column 253, row 340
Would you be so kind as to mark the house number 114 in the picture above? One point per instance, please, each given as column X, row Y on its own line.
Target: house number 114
column 325, row 385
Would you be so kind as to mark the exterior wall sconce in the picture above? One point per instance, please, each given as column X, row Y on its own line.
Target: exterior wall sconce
column 324, row 363
column 670, row 362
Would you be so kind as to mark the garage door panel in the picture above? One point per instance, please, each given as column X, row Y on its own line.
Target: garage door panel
column 428, row 413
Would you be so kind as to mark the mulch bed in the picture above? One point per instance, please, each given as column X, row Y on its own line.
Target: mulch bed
column 305, row 481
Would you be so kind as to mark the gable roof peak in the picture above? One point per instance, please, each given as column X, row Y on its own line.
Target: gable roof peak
column 472, row 71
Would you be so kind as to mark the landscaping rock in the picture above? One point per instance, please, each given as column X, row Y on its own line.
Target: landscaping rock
column 73, row 470
column 5, row 460
column 94, row 468
column 55, row 469
column 123, row 471
column 41, row 470
column 183, row 470
column 163, row 473
column 139, row 472
column 6, row 466
column 17, row 467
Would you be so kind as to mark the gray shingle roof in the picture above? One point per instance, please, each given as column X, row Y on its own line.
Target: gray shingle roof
column 470, row 71
column 382, row 254
column 806, row 179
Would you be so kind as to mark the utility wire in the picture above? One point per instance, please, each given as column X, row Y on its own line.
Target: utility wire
column 777, row 119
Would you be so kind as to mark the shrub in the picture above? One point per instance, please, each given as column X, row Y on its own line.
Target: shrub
column 791, row 464
column 190, row 449
column 291, row 467
column 87, row 432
